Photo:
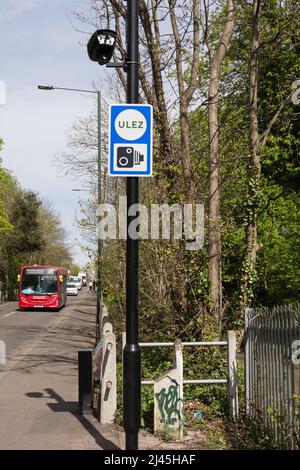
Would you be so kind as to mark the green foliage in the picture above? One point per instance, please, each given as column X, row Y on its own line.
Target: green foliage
column 147, row 403
column 30, row 232
column 174, row 284
column 207, row 363
column 24, row 217
column 278, row 266
column 5, row 225
column 74, row 269
column 251, row 433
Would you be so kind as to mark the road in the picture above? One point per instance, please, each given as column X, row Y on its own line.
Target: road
column 38, row 383
column 21, row 330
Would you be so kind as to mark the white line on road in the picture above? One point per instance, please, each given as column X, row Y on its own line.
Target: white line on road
column 8, row 314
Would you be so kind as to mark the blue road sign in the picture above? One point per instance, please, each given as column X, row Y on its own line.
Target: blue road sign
column 130, row 140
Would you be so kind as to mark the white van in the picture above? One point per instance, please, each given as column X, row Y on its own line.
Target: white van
column 76, row 280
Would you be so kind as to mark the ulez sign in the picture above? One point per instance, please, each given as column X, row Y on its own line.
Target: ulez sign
column 130, row 140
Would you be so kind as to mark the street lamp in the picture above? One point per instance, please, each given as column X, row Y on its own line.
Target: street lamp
column 100, row 43
column 99, row 245
column 80, row 190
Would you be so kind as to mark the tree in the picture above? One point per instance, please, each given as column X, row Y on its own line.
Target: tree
column 214, row 253
column 31, row 233
column 74, row 269
column 242, row 159
column 54, row 249
column 168, row 85
column 272, row 23
column 24, row 217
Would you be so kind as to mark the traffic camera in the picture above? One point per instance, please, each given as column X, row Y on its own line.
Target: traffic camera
column 101, row 45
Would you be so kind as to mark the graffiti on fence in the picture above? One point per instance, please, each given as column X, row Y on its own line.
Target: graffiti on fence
column 168, row 401
column 97, row 358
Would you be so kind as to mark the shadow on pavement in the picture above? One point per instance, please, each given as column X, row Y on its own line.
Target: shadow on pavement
column 31, row 362
column 62, row 406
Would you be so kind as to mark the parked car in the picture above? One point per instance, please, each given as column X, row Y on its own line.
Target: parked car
column 75, row 280
column 72, row 289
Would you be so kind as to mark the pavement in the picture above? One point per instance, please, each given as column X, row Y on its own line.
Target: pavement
column 39, row 382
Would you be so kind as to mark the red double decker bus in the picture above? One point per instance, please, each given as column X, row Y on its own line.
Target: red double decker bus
column 42, row 287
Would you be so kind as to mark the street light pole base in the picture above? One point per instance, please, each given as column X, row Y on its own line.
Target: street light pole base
column 132, row 394
column 131, row 441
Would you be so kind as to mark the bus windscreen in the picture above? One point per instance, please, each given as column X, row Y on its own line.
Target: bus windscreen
column 39, row 281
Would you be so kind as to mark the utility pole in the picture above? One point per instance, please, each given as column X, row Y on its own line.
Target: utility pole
column 131, row 353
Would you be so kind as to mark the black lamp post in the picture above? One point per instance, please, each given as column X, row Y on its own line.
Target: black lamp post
column 101, row 52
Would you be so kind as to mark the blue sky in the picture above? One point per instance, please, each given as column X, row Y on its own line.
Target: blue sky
column 39, row 46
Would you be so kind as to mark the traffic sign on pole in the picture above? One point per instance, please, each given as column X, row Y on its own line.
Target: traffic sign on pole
column 132, row 351
column 130, row 140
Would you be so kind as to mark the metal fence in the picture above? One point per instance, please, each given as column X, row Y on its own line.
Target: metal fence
column 232, row 374
column 272, row 371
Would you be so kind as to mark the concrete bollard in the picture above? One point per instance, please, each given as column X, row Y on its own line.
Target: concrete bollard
column 168, row 398
column 108, row 379
column 105, row 368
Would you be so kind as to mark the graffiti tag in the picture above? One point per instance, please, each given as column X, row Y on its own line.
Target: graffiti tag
column 168, row 401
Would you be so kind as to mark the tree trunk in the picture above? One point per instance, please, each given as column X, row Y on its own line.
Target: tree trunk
column 214, row 253
column 214, row 250
column 154, row 49
column 186, row 92
column 254, row 163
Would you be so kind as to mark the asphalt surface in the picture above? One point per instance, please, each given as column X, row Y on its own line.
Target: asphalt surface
column 39, row 381
column 20, row 330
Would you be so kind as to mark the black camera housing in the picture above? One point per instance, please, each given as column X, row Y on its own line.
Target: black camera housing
column 101, row 45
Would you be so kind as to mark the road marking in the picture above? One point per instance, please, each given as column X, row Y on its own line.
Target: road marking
column 8, row 314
